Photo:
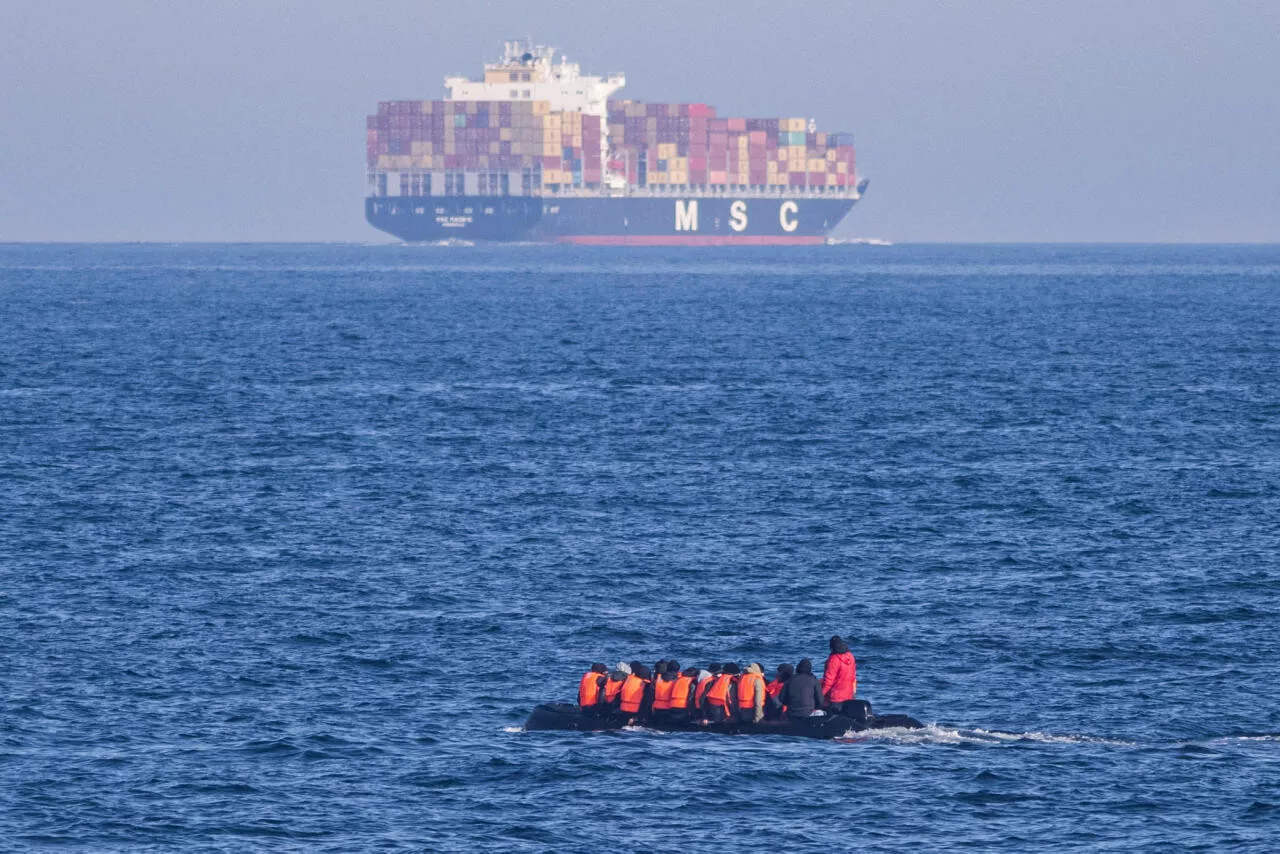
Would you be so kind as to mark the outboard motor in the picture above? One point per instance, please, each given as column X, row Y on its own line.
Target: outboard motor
column 858, row 710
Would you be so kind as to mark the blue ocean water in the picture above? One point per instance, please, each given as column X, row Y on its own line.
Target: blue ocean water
column 294, row 537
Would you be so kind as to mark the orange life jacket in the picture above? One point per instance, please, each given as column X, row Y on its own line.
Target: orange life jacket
column 718, row 694
column 589, row 692
column 747, row 690
column 662, row 689
column 633, row 693
column 703, row 687
column 612, row 687
column 680, row 693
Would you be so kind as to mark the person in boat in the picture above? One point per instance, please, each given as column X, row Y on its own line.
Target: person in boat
column 591, row 689
column 664, row 684
column 721, row 701
column 706, row 678
column 773, row 708
column 635, row 700
column 839, row 676
column 684, row 700
column 613, row 686
column 751, row 693
column 802, row 694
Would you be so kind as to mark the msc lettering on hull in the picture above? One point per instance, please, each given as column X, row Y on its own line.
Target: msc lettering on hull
column 686, row 215
column 787, row 216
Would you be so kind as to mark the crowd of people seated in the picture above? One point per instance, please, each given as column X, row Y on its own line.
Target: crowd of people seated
column 720, row 692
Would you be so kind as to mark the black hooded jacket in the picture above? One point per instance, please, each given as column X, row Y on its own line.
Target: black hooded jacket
column 801, row 695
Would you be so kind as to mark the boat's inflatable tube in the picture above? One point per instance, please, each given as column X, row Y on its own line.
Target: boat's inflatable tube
column 564, row 716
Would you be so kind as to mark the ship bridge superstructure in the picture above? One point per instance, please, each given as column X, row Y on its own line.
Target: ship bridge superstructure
column 529, row 72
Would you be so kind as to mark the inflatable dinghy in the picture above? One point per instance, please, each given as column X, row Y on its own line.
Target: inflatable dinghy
column 566, row 716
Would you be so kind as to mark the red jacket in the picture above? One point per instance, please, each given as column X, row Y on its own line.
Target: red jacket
column 840, row 677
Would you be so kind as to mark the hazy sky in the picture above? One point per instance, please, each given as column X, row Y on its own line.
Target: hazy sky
column 983, row 120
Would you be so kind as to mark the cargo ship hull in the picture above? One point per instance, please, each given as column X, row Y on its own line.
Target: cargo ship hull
column 611, row 221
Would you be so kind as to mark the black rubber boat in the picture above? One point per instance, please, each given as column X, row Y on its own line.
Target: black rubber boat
column 566, row 716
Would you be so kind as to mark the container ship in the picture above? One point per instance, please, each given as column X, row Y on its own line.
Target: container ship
column 537, row 151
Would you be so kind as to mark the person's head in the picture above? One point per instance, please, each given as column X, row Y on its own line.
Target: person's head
column 673, row 666
column 642, row 671
column 785, row 671
column 835, row 643
column 660, row 667
column 714, row 668
column 805, row 666
column 754, row 667
column 691, row 672
column 731, row 668
column 599, row 668
column 636, row 664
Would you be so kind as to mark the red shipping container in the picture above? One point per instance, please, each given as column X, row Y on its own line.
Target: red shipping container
column 817, row 179
column 795, row 179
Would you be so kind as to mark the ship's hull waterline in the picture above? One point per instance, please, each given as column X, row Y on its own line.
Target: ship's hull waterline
column 719, row 221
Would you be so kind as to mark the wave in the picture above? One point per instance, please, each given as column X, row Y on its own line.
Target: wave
column 937, row 734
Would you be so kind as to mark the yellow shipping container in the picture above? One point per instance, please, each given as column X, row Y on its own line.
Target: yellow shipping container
column 505, row 134
column 831, row 156
column 426, row 107
column 541, row 108
column 831, row 180
column 842, row 168
column 495, row 147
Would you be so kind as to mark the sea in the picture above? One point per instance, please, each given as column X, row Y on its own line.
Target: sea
column 294, row 537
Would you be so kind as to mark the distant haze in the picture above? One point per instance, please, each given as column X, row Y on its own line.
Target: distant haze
column 1006, row 120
